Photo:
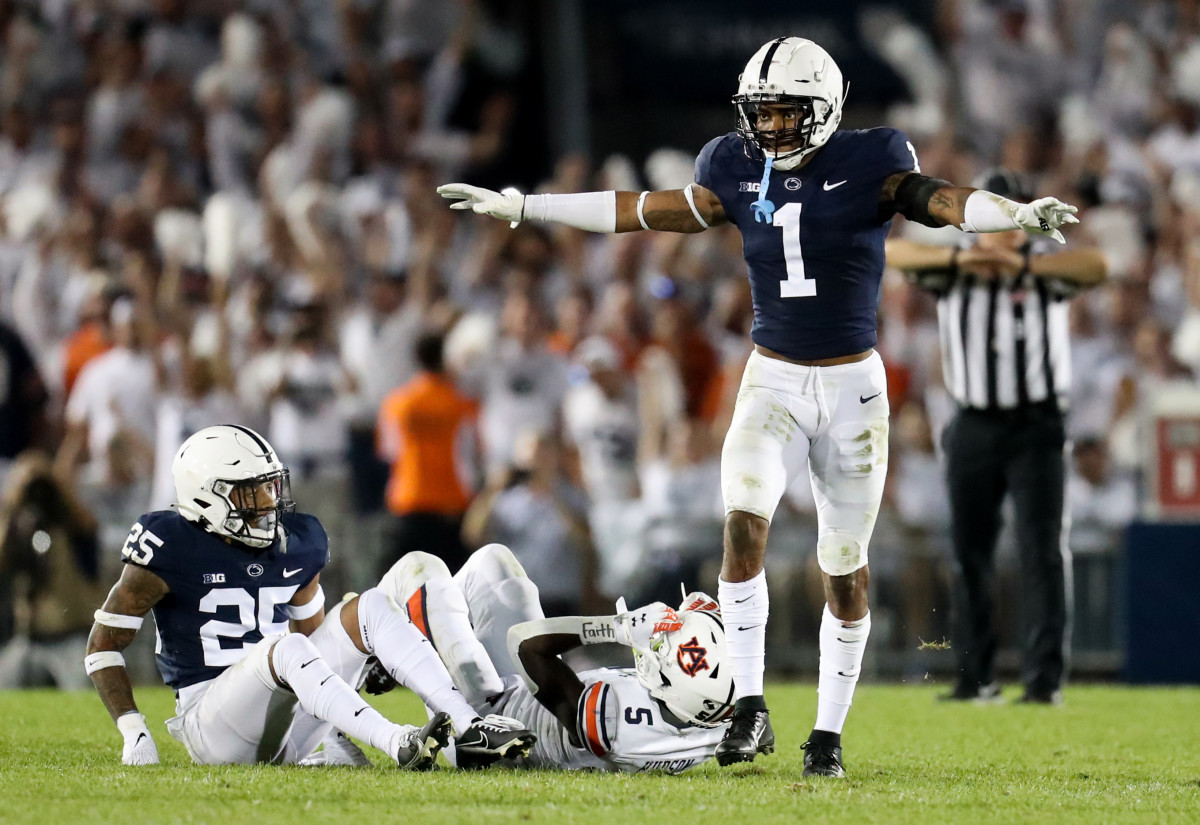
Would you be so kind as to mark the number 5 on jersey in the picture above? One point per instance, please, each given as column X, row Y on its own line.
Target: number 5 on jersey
column 140, row 546
column 787, row 217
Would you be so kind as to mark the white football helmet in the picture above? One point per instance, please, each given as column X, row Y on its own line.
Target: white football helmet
column 230, row 481
column 789, row 71
column 685, row 667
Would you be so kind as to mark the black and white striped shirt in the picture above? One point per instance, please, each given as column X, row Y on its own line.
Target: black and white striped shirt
column 1004, row 342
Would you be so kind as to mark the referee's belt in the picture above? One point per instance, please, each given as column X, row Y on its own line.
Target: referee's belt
column 1035, row 409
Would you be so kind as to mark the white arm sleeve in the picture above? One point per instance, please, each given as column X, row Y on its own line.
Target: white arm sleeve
column 592, row 211
column 988, row 212
column 590, row 630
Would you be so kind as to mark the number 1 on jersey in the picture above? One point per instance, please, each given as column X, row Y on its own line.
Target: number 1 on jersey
column 787, row 217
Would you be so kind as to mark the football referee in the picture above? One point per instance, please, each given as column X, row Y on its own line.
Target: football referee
column 1002, row 317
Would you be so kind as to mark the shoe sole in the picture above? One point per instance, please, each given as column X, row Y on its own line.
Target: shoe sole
column 517, row 747
column 727, row 759
column 435, row 736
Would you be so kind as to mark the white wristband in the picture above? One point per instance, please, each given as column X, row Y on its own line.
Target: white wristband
column 118, row 620
column 988, row 212
column 691, row 199
column 592, row 211
column 104, row 659
column 310, row 608
column 641, row 205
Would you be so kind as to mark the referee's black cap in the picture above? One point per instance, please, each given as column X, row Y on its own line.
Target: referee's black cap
column 1006, row 183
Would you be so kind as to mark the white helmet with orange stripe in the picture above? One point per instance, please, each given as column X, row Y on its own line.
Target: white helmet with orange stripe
column 684, row 667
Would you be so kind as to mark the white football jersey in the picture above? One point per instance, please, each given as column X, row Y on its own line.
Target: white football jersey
column 621, row 726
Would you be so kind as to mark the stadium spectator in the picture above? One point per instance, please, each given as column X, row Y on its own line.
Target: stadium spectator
column 523, row 382
column 49, row 555
column 541, row 516
column 427, row 432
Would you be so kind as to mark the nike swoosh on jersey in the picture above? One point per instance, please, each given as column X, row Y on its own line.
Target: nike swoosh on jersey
column 864, row 400
column 827, row 185
column 287, row 574
column 306, row 664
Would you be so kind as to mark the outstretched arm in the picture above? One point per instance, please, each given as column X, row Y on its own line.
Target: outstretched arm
column 117, row 622
column 935, row 202
column 691, row 209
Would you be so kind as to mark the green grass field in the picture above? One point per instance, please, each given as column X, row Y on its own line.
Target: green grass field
column 1110, row 755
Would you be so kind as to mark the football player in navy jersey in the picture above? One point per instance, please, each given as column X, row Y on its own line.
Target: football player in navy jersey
column 813, row 206
column 227, row 573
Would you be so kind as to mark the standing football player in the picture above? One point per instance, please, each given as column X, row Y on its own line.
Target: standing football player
column 813, row 206
column 668, row 713
column 226, row 573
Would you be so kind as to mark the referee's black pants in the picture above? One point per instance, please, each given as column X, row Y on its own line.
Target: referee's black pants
column 990, row 455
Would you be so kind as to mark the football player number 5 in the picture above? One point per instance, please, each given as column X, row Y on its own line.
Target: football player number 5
column 787, row 217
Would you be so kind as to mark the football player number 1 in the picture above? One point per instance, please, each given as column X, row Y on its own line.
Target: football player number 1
column 787, row 218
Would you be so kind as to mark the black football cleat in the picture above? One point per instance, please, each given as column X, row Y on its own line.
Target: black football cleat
column 823, row 760
column 750, row 733
column 420, row 746
column 491, row 739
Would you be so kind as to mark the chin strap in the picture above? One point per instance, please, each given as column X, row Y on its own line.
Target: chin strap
column 763, row 209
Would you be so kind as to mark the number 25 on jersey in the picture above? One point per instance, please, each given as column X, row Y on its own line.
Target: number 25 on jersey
column 787, row 217
column 140, row 546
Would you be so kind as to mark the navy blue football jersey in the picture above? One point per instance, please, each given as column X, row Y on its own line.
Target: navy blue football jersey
column 224, row 597
column 815, row 270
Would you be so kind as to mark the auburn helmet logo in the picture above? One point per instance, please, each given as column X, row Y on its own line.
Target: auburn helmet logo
column 692, row 657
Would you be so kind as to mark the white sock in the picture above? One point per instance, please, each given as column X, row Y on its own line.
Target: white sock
column 842, row 646
column 744, row 608
column 326, row 696
column 409, row 657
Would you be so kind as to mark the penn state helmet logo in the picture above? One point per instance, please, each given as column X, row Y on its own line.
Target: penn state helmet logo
column 692, row 657
column 255, row 569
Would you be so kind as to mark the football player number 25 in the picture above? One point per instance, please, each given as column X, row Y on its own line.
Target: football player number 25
column 250, row 616
column 787, row 217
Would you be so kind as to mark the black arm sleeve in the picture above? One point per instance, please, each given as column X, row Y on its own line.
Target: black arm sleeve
column 912, row 197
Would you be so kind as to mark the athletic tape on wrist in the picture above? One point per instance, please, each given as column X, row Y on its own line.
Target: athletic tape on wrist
column 101, row 660
column 118, row 620
column 131, row 723
column 691, row 200
column 310, row 608
column 641, row 204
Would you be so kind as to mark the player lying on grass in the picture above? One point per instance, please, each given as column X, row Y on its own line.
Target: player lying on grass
column 226, row 573
column 668, row 713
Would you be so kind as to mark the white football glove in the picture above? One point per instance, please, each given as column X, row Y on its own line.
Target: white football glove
column 139, row 744
column 636, row 627
column 1044, row 216
column 506, row 205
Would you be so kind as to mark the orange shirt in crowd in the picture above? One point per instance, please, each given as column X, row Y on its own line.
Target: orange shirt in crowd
column 84, row 344
column 425, row 429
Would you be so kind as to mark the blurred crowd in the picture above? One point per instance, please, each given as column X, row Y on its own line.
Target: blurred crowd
column 216, row 211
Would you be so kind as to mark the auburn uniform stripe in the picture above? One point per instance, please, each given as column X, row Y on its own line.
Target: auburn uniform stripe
column 418, row 615
column 590, row 705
